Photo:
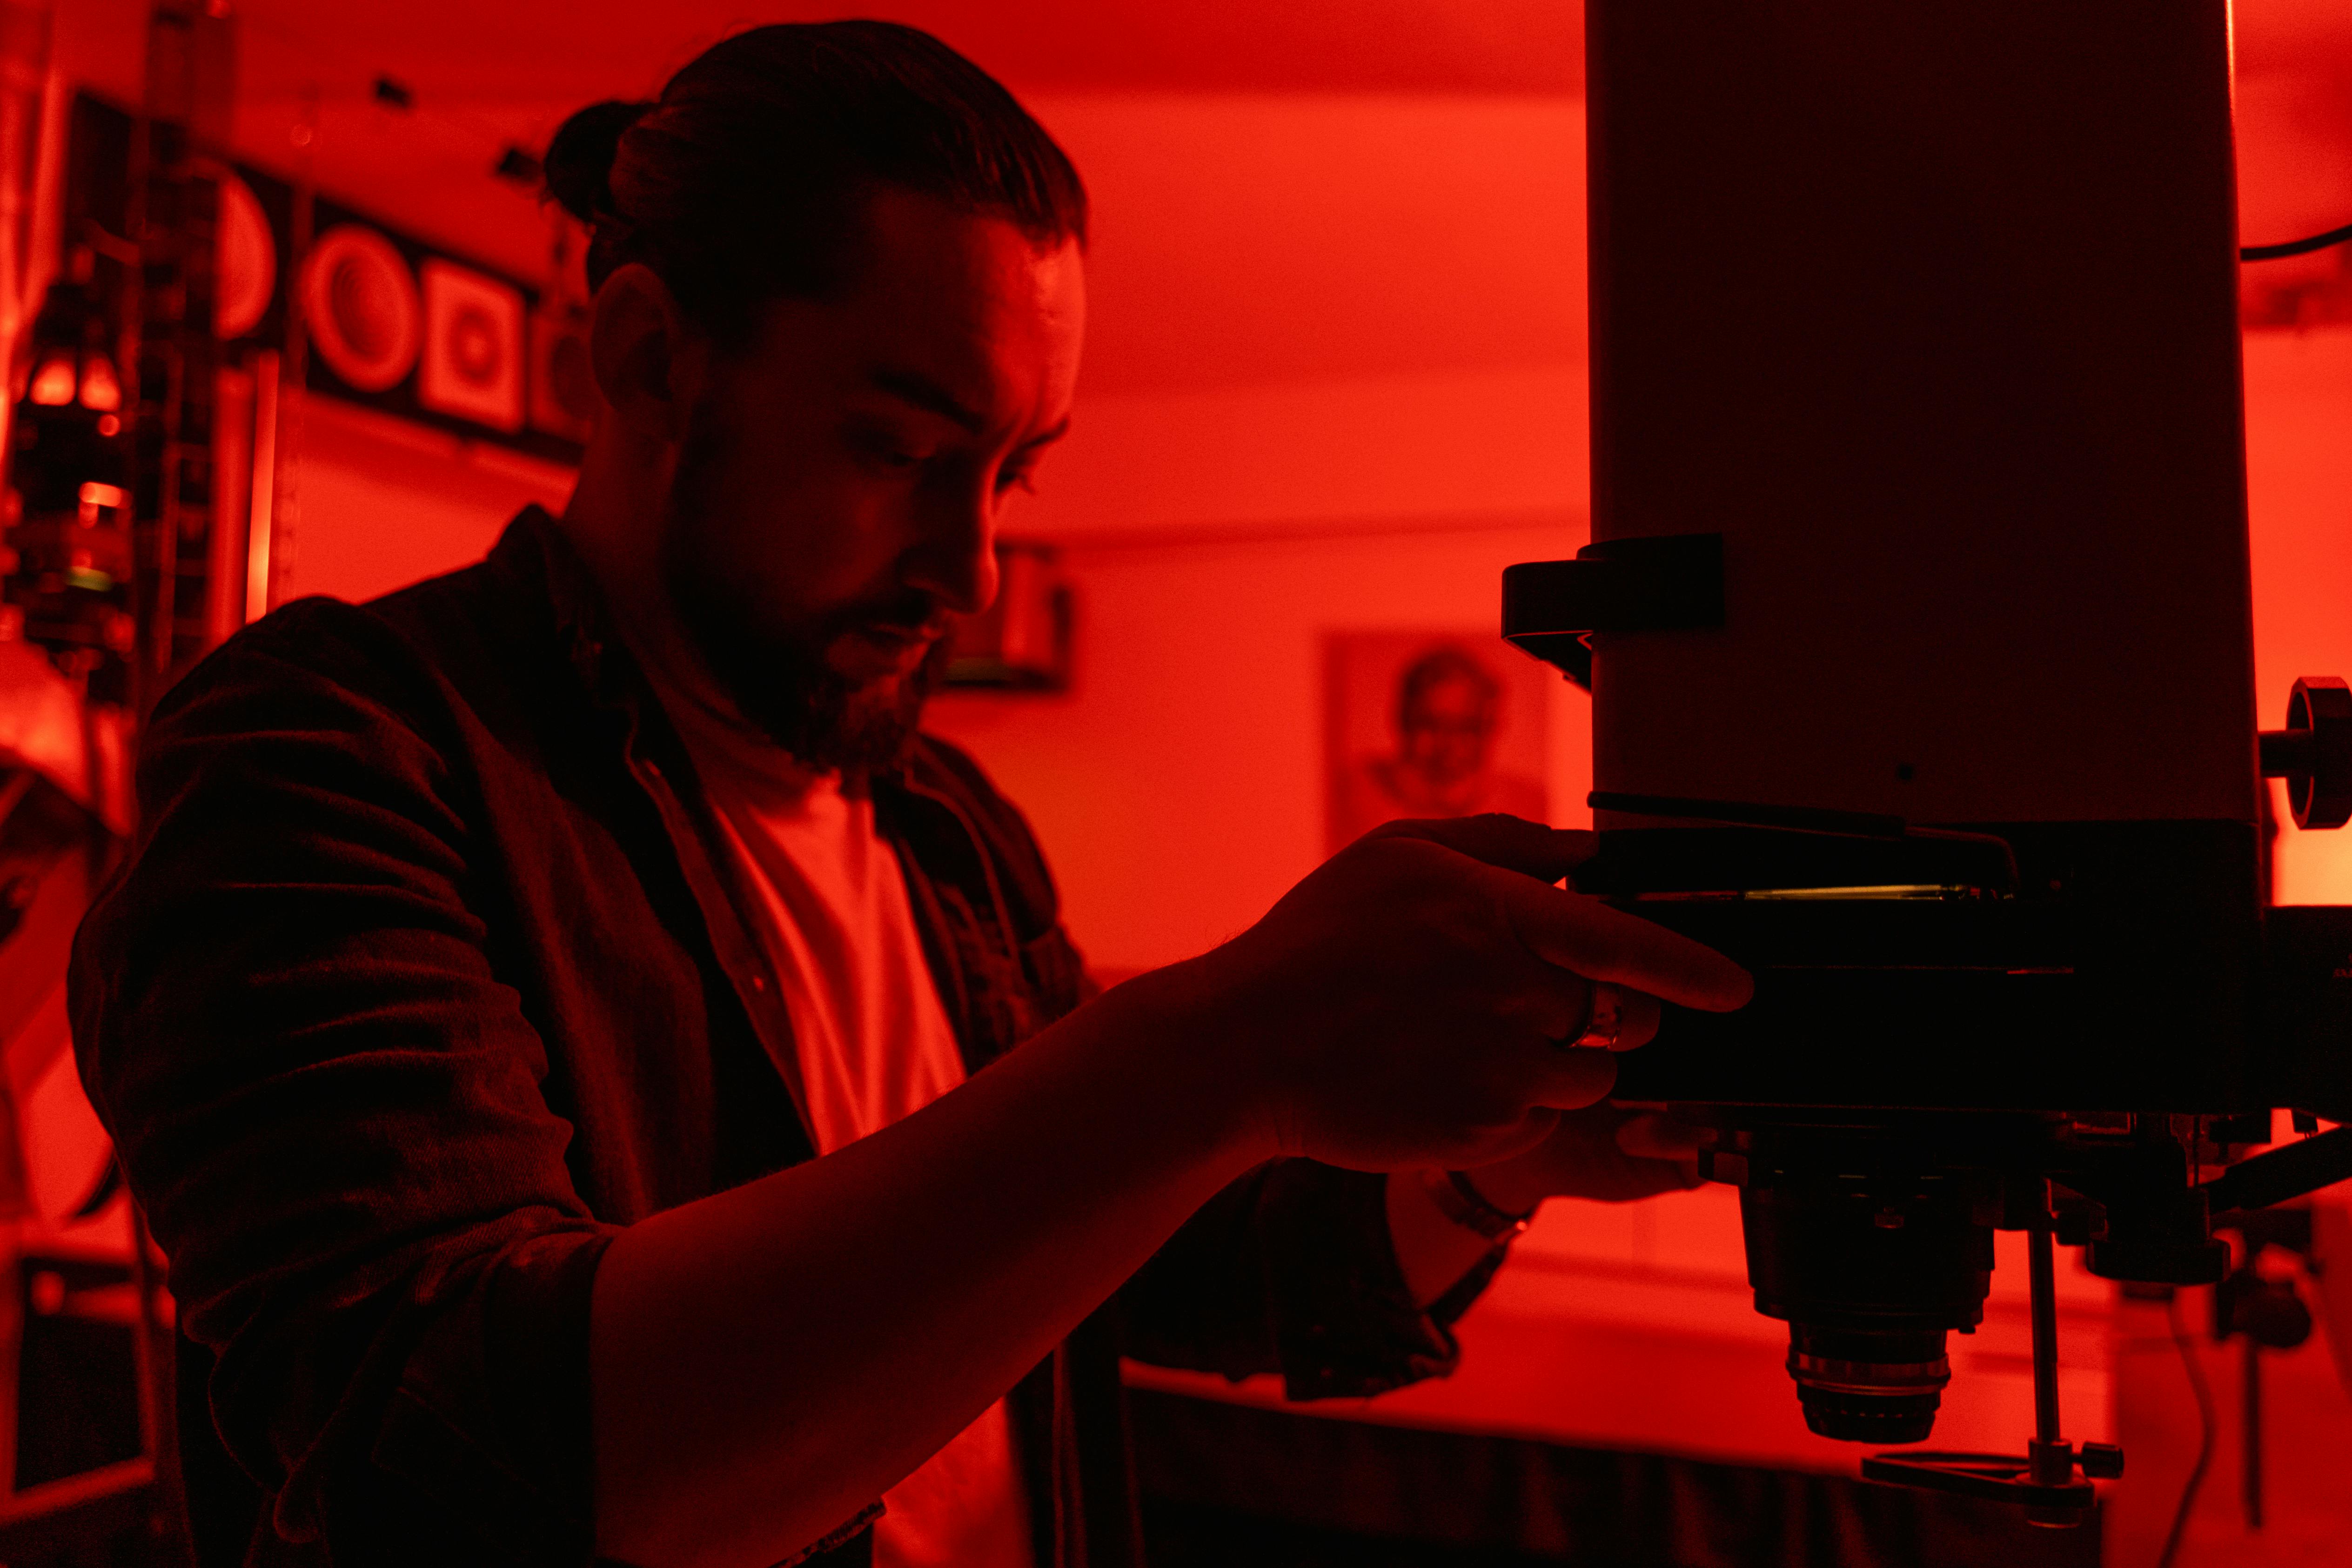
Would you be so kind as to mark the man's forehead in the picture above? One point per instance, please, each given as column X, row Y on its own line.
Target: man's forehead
column 964, row 305
column 909, row 231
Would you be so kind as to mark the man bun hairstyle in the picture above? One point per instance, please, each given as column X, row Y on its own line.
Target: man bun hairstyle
column 745, row 180
column 579, row 162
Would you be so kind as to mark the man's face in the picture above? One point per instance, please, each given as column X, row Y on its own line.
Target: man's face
column 1447, row 730
column 840, row 475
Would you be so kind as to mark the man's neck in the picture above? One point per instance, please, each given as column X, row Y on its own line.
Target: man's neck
column 612, row 522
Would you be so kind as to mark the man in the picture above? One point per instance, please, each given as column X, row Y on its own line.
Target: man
column 546, row 1011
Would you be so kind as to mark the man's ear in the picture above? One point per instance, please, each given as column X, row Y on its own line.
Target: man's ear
column 636, row 346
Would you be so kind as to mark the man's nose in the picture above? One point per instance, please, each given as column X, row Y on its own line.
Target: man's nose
column 954, row 561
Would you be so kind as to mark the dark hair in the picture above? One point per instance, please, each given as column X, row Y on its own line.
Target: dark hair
column 744, row 179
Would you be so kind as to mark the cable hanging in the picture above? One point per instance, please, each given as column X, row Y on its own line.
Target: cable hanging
column 2295, row 246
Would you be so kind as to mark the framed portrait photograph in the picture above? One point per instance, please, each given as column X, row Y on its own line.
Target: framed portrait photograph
column 1429, row 723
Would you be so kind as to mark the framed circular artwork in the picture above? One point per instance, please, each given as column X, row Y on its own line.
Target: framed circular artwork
column 244, row 260
column 360, row 305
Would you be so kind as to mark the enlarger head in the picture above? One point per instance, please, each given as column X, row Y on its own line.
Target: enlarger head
column 1917, row 625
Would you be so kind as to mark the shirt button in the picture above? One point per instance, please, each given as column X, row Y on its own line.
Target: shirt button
column 760, row 983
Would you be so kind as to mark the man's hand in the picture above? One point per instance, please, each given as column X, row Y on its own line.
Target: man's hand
column 1406, row 1005
column 1400, row 1008
column 1613, row 1153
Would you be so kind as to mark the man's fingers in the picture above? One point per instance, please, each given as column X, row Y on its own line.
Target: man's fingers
column 1637, row 1020
column 1512, row 843
column 1586, row 936
column 1559, row 1004
column 1570, row 1079
column 1554, row 1004
column 1523, row 1137
column 1650, row 1136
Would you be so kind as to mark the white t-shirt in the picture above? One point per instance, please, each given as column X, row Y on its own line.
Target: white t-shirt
column 873, row 1044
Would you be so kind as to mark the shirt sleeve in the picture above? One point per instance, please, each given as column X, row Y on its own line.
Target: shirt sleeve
column 1292, row 1270
column 330, row 1108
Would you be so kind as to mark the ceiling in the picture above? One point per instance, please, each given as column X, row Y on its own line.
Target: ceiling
column 466, row 51
column 469, row 51
column 460, row 55
column 1131, row 86
column 1286, row 189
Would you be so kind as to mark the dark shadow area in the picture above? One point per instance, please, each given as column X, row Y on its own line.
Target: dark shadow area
column 1238, row 1486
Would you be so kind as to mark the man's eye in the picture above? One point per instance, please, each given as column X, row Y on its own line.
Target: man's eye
column 1016, row 478
column 885, row 452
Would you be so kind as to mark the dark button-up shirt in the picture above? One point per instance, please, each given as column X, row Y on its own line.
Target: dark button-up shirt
column 422, row 980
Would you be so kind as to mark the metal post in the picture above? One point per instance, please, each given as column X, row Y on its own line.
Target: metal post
column 2251, row 1448
column 2043, row 1278
column 2049, row 1458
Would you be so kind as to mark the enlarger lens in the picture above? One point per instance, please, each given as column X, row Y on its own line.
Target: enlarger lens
column 1869, row 1386
column 1871, row 1255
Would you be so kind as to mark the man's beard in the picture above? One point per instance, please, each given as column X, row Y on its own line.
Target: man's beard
column 777, row 676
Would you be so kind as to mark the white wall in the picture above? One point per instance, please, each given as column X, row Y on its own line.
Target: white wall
column 1177, row 787
column 2299, row 474
column 381, row 502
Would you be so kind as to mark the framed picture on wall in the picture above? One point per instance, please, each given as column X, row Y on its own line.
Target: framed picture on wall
column 1428, row 723
column 472, row 366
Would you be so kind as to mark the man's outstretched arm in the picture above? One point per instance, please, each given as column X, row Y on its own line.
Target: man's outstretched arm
column 330, row 1103
column 766, row 1361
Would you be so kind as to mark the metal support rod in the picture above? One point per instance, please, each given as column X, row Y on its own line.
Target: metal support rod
column 261, row 527
column 2049, row 1457
column 2251, row 1447
column 2041, row 1277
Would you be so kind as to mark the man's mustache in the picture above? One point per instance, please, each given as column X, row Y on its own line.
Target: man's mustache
column 908, row 615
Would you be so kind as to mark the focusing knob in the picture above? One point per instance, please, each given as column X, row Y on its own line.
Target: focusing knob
column 2313, row 752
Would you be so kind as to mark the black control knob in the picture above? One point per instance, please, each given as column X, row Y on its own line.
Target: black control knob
column 2313, row 752
column 2267, row 1312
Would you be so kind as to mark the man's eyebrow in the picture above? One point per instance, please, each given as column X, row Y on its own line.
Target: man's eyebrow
column 909, row 386
column 1045, row 437
column 912, row 386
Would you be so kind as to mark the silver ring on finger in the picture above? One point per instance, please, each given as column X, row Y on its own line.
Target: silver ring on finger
column 1604, row 1016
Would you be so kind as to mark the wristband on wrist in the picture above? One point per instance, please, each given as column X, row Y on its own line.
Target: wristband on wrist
column 1466, row 1206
